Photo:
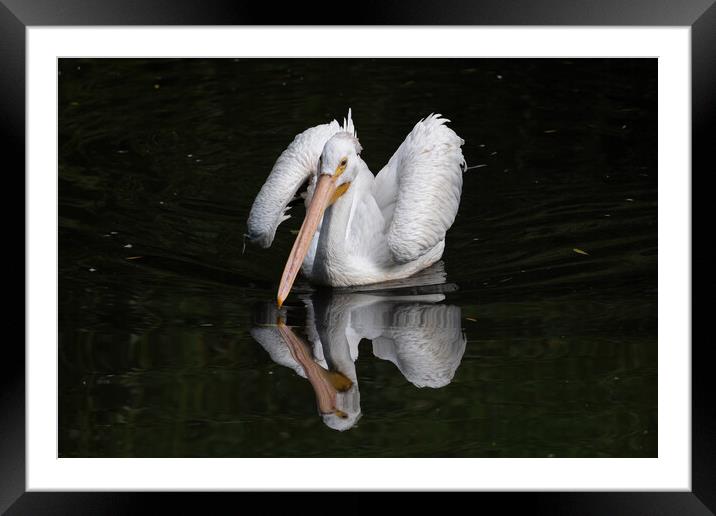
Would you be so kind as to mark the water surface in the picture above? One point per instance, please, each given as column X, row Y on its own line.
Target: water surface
column 535, row 336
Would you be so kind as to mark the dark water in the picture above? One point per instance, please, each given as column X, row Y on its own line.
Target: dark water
column 545, row 343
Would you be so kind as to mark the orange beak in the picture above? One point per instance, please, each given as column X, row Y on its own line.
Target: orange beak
column 323, row 196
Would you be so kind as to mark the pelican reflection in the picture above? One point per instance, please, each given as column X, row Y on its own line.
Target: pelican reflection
column 408, row 327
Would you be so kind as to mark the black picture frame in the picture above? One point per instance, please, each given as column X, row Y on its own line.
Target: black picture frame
column 17, row 15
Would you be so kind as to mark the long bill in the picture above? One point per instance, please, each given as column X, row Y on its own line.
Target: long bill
column 322, row 197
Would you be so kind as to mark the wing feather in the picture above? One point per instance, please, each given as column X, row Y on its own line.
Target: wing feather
column 418, row 191
column 292, row 168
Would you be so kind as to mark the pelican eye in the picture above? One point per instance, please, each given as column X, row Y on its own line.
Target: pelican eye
column 341, row 167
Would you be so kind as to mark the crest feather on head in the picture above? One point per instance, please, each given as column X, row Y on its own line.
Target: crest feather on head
column 348, row 125
column 349, row 128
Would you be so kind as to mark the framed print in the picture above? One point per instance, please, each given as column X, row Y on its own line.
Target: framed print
column 486, row 281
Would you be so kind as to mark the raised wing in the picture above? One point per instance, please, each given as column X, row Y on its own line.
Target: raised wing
column 292, row 168
column 418, row 191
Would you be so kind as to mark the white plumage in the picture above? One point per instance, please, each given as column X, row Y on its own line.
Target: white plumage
column 418, row 191
column 292, row 168
column 374, row 228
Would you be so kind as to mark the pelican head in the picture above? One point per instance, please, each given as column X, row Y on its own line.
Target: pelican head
column 337, row 167
column 339, row 158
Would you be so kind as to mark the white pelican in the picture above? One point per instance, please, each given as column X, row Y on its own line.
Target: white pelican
column 423, row 339
column 360, row 228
